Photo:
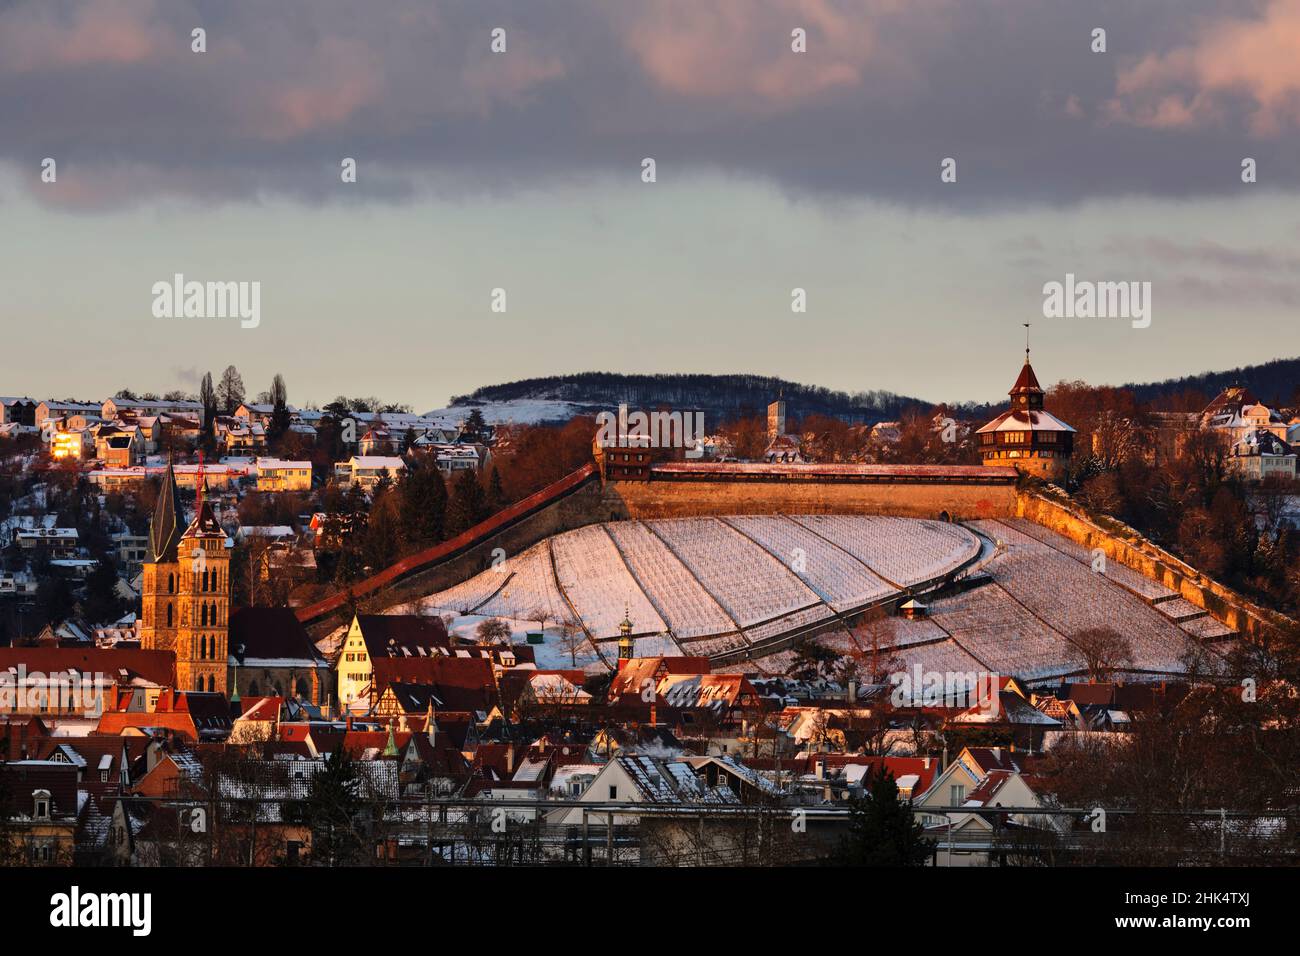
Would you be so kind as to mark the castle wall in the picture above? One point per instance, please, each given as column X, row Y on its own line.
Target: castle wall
column 1125, row 545
column 621, row 500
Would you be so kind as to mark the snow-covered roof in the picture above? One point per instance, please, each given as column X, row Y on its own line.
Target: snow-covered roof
column 1025, row 420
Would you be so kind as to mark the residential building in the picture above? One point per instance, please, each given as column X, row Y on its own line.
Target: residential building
column 274, row 474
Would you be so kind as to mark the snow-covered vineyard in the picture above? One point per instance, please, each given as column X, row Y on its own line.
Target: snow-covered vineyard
column 722, row 585
column 1042, row 591
column 708, row 586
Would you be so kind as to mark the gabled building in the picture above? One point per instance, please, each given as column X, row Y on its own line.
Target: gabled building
column 388, row 638
column 1260, row 454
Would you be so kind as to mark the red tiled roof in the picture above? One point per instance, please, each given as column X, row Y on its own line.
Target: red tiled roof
column 1026, row 381
column 156, row 667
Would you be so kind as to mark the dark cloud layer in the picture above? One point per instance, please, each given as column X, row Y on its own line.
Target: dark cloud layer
column 587, row 88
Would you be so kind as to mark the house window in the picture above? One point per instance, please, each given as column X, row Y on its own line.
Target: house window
column 42, row 804
column 613, row 792
column 956, row 795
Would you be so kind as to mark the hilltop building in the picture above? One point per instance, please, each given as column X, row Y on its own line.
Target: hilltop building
column 1026, row 436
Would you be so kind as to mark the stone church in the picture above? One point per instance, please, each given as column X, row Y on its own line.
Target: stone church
column 186, row 591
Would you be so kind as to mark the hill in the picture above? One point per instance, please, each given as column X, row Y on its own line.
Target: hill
column 725, row 397
column 1274, row 383
column 720, row 397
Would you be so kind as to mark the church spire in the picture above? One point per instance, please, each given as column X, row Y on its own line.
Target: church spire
column 163, row 529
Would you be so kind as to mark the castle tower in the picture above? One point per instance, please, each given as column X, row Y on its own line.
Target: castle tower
column 1027, row 437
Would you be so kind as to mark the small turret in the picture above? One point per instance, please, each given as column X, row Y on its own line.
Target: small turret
column 626, row 645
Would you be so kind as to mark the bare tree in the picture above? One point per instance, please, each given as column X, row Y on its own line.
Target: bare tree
column 1104, row 651
column 493, row 631
column 571, row 639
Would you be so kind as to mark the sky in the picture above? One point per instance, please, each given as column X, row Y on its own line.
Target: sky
column 522, row 170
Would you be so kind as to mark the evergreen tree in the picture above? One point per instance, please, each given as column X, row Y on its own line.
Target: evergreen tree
column 280, row 406
column 230, row 392
column 102, row 604
column 334, row 810
column 423, row 505
column 383, row 530
column 474, row 426
column 496, row 495
column 468, row 504
column 882, row 829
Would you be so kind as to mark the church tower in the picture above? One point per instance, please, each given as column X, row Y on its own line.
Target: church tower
column 1027, row 437
column 203, row 632
column 186, row 592
column 159, row 609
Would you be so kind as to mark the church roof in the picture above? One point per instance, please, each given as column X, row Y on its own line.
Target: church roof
column 163, row 530
column 205, row 523
column 1027, row 381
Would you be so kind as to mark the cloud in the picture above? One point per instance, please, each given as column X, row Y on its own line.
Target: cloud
column 587, row 88
column 62, row 35
column 1235, row 70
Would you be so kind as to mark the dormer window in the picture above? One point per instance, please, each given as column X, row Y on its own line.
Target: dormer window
column 41, row 802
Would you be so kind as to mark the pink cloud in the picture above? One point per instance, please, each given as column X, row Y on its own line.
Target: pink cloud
column 348, row 79
column 1193, row 85
column 57, row 35
column 740, row 50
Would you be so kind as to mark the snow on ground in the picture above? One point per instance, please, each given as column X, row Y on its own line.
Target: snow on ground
column 751, row 584
column 1000, row 633
column 551, row 655
column 1121, row 574
column 530, row 590
column 840, row 579
column 906, row 551
column 519, row 411
column 1072, row 598
column 693, row 576
column 599, row 584
column 686, row 606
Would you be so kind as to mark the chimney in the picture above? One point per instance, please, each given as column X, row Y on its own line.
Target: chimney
column 348, row 724
column 927, row 763
column 510, row 758
column 819, row 769
column 853, row 691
